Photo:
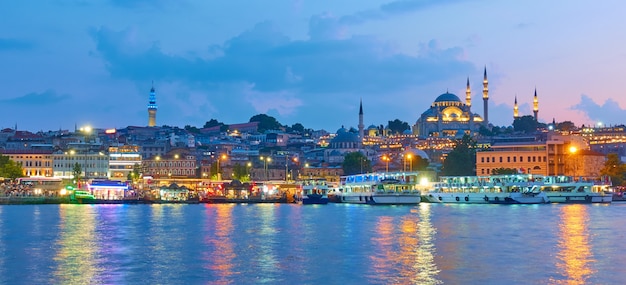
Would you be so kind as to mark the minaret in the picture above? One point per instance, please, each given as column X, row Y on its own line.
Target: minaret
column 152, row 108
column 515, row 109
column 536, row 106
column 361, row 126
column 468, row 95
column 485, row 97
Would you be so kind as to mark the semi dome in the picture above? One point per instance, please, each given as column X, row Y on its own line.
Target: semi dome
column 447, row 97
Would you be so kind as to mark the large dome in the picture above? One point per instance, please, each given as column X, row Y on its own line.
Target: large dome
column 447, row 97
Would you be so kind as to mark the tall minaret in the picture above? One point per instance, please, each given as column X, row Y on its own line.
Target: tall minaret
column 536, row 106
column 361, row 126
column 468, row 95
column 485, row 97
column 515, row 109
column 152, row 108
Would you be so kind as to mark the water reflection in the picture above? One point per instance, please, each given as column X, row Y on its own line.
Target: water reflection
column 574, row 254
column 267, row 260
column 76, row 257
column 3, row 273
column 218, row 231
column 404, row 249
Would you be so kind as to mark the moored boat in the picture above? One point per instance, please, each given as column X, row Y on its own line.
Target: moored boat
column 313, row 191
column 382, row 188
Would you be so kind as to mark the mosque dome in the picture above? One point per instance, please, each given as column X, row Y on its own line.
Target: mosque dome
column 345, row 137
column 447, row 97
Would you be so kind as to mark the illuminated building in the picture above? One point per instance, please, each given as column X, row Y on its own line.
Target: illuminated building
column 447, row 117
column 122, row 160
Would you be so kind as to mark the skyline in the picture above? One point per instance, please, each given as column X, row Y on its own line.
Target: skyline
column 310, row 63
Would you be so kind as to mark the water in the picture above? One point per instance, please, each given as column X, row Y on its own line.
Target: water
column 316, row 244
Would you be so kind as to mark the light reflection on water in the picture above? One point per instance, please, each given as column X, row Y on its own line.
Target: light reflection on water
column 219, row 255
column 313, row 244
column 77, row 248
column 574, row 255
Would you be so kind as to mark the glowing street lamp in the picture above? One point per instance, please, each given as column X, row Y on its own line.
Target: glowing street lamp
column 265, row 161
column 249, row 166
column 572, row 151
column 410, row 156
column 386, row 159
column 224, row 157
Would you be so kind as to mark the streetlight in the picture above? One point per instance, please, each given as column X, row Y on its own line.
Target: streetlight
column 265, row 161
column 386, row 159
column 410, row 162
column 572, row 151
column 223, row 156
column 249, row 166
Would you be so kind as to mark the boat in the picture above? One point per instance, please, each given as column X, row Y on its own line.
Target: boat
column 495, row 189
column 313, row 191
column 514, row 189
column 399, row 188
column 577, row 190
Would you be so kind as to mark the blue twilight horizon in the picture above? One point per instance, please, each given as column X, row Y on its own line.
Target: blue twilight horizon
column 76, row 62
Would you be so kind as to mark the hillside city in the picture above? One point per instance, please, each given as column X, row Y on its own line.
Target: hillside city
column 449, row 138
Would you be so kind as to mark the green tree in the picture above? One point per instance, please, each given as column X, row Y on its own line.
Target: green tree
column 11, row 169
column 240, row 172
column 135, row 174
column 566, row 126
column 398, row 127
column 504, row 171
column 419, row 163
column 356, row 162
column 462, row 159
column 525, row 124
column 212, row 123
column 615, row 169
column 192, row 129
column 77, row 170
column 266, row 122
column 298, row 128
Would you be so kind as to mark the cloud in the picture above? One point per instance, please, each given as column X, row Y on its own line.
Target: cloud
column 15, row 44
column 393, row 8
column 608, row 113
column 48, row 97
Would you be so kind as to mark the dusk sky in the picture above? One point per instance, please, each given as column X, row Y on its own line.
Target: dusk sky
column 75, row 62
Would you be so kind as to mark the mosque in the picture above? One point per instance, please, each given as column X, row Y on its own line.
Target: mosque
column 448, row 116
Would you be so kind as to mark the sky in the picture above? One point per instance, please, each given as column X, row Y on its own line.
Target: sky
column 73, row 63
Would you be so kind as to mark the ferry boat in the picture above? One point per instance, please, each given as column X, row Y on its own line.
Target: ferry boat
column 382, row 188
column 515, row 189
column 569, row 189
column 314, row 191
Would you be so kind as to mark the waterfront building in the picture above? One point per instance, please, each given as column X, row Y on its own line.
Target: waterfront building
column 178, row 163
column 558, row 155
column 34, row 162
column 122, row 160
column 93, row 164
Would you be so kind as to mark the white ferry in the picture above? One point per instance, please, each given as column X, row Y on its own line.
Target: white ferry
column 382, row 188
column 497, row 189
column 313, row 191
column 514, row 189
column 568, row 189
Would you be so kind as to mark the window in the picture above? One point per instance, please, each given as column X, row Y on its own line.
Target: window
column 508, row 159
column 501, row 159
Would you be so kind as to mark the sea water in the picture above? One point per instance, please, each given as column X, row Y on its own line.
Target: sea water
column 312, row 244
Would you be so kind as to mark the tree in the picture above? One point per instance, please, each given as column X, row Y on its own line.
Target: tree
column 398, row 127
column 135, row 174
column 419, row 163
column 77, row 170
column 462, row 159
column 11, row 169
column 265, row 122
column 212, row 123
column 240, row 172
column 566, row 126
column 192, row 129
column 615, row 169
column 356, row 162
column 525, row 124
column 298, row 128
